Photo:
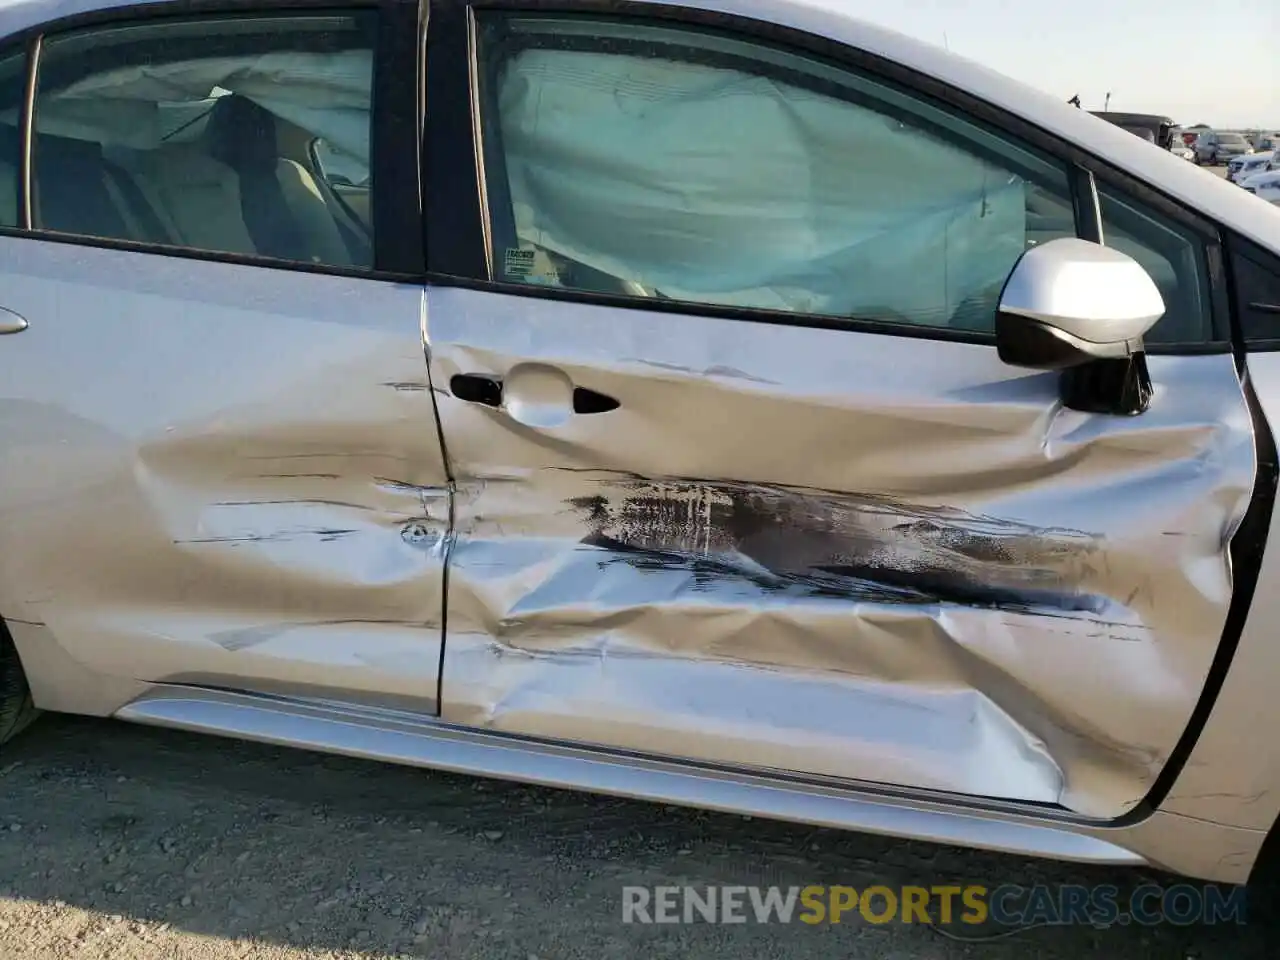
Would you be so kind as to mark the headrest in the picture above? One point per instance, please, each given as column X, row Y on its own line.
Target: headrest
column 242, row 134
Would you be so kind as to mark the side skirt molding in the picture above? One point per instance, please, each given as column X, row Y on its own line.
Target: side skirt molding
column 423, row 742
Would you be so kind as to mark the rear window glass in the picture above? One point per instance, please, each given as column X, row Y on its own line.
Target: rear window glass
column 13, row 79
column 198, row 134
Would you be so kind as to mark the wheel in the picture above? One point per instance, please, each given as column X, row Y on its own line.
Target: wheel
column 16, row 709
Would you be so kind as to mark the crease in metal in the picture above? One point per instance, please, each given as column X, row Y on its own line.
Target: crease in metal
column 424, row 329
column 866, row 558
column 263, row 484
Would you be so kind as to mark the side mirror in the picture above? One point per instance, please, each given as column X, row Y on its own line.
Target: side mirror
column 1069, row 302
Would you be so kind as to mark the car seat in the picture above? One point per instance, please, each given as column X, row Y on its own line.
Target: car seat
column 283, row 210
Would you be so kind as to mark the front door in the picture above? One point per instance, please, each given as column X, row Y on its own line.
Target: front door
column 740, row 476
column 223, row 473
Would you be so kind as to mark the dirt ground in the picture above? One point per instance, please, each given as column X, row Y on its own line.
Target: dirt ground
column 127, row 843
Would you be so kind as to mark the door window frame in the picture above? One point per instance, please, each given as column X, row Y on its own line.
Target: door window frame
column 458, row 221
column 396, row 125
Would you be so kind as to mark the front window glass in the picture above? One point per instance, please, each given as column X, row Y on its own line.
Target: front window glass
column 669, row 162
column 1172, row 255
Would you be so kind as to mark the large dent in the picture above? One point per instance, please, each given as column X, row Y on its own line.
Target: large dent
column 1232, row 776
column 943, row 581
column 222, row 474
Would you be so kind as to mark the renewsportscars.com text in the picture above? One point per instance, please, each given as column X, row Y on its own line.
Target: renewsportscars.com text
column 1008, row 905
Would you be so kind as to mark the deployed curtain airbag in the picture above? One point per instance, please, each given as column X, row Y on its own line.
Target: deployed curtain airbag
column 327, row 95
column 719, row 186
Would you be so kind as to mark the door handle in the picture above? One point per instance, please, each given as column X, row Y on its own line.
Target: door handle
column 477, row 388
column 590, row 401
column 11, row 322
column 488, row 390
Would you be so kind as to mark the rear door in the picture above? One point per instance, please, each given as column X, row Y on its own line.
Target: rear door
column 219, row 461
column 740, row 476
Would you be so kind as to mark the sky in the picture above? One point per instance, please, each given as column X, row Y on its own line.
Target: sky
column 1197, row 61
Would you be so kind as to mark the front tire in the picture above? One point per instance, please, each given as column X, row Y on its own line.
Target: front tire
column 16, row 708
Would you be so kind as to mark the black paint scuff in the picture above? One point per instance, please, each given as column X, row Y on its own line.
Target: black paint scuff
column 824, row 544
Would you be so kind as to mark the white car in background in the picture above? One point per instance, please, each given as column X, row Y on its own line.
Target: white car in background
column 1264, row 185
column 1180, row 149
column 1242, row 168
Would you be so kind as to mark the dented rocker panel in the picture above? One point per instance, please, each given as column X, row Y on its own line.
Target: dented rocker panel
column 855, row 556
column 1179, row 843
column 220, row 473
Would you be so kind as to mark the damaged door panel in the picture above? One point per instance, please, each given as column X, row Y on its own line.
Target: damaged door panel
column 222, row 474
column 851, row 555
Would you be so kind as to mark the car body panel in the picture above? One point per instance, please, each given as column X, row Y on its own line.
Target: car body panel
column 1179, row 843
column 302, row 622
column 1233, row 776
column 784, row 550
column 387, row 735
column 220, row 473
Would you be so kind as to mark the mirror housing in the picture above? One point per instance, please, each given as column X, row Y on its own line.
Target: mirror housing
column 1070, row 302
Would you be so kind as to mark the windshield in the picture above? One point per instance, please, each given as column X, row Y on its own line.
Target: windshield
column 1232, row 138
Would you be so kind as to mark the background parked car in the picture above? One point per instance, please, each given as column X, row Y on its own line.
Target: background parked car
column 1190, row 134
column 1243, row 167
column 1214, row 148
column 1154, row 128
column 1264, row 185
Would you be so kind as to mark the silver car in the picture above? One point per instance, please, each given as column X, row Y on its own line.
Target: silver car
column 1215, row 148
column 739, row 406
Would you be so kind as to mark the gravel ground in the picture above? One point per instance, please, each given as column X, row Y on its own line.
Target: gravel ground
column 130, row 843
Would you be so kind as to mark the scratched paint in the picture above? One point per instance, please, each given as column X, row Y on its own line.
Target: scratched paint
column 854, row 547
column 874, row 559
